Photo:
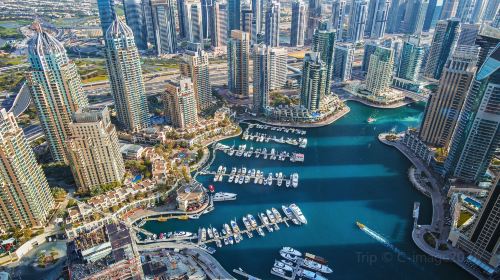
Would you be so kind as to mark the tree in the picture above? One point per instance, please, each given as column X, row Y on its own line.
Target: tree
column 185, row 173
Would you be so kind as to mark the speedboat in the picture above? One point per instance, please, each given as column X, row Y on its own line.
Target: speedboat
column 310, row 275
column 234, row 226
column 247, row 224
column 278, row 271
column 226, row 241
column 240, row 181
column 289, row 257
column 298, row 213
column 231, row 240
column 210, row 233
column 182, row 234
column 290, row 215
column 371, row 120
column 295, row 180
column 282, row 265
column 276, row 214
column 316, row 266
column 219, row 170
column 290, row 250
column 261, row 232
column 203, row 234
column 228, row 229
column 231, row 178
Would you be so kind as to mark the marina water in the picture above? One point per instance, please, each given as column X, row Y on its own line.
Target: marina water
column 347, row 176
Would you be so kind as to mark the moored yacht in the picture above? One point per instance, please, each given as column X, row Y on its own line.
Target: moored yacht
column 282, row 265
column 290, row 250
column 295, row 180
column 276, row 214
column 223, row 196
column 316, row 266
column 298, row 213
column 310, row 275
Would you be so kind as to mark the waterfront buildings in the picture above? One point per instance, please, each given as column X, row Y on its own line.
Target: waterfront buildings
column 379, row 76
column 193, row 22
column 94, row 154
column 313, row 85
column 313, row 19
column 198, row 70
column 272, row 35
column 370, row 48
column 25, row 197
column 279, row 71
column 238, row 53
column 410, row 62
column 377, row 18
column 219, row 25
column 163, row 20
column 234, row 15
column 477, row 135
column 342, row 62
column 338, row 17
column 443, row 42
column 444, row 106
column 180, row 103
column 55, row 87
column 357, row 22
column 106, row 13
column 324, row 44
column 125, row 76
column 134, row 16
column 299, row 21
column 261, row 77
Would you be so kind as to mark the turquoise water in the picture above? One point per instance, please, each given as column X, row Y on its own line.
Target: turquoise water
column 347, row 176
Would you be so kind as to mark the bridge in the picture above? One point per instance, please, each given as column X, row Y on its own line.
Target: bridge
column 416, row 96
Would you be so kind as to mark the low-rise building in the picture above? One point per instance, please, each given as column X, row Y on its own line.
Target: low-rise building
column 413, row 142
column 131, row 151
column 190, row 195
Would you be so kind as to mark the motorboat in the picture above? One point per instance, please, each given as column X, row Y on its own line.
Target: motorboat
column 224, row 196
column 310, row 275
column 270, row 216
column 252, row 220
column 290, row 250
column 278, row 271
column 276, row 214
column 260, row 232
column 316, row 266
column 290, row 257
column 283, row 266
column 290, row 215
column 295, row 180
column 210, row 233
column 298, row 213
column 181, row 234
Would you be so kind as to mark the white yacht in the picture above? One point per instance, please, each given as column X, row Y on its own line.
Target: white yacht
column 270, row 216
column 290, row 250
column 310, row 275
column 276, row 214
column 295, row 180
column 298, row 213
column 289, row 257
column 252, row 220
column 282, row 265
column 224, row 196
column 279, row 271
column 316, row 266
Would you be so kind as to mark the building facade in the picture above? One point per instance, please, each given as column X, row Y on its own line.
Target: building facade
column 125, row 76
column 107, row 13
column 279, row 71
column 219, row 25
column 410, row 62
column 443, row 42
column 357, row 20
column 342, row 63
column 198, row 70
column 193, row 22
column 477, row 135
column 272, row 35
column 55, row 87
column 314, row 76
column 163, row 20
column 238, row 56
column 324, row 44
column 444, row 106
column 377, row 18
column 94, row 151
column 299, row 21
column 25, row 197
column 261, row 57
column 134, row 16
column 180, row 103
column 379, row 76
column 338, row 18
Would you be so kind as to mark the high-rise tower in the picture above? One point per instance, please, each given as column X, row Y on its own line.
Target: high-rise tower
column 412, row 54
column 163, row 20
column 261, row 77
column 273, row 24
column 357, row 20
column 134, row 16
column 324, row 44
column 107, row 13
column 445, row 36
column 198, row 71
column 56, row 89
column 379, row 76
column 299, row 21
column 377, row 18
column 25, row 197
column 313, row 83
column 180, row 103
column 238, row 53
column 338, row 17
column 125, row 76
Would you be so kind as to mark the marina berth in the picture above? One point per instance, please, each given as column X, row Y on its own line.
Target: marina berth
column 298, row 213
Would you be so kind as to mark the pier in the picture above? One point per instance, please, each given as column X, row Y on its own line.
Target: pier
column 270, row 154
column 262, row 137
column 299, row 267
column 277, row 128
column 244, row 274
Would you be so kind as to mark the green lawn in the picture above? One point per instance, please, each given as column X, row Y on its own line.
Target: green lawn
column 464, row 217
column 10, row 33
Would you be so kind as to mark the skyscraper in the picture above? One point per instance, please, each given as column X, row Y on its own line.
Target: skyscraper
column 445, row 36
column 273, row 24
column 370, row 48
column 261, row 77
column 25, row 197
column 93, row 149
column 414, row 18
column 477, row 135
column 278, row 69
column 299, row 20
column 193, row 22
column 247, row 21
column 468, row 34
column 181, row 16
column 134, row 16
column 313, row 18
column 429, row 15
column 357, row 21
column 238, row 52
column 449, row 9
column 313, row 83
column 206, row 10
column 377, row 18
column 487, row 40
column 379, row 76
column 56, row 89
column 395, row 16
column 198, row 71
column 219, row 23
column 483, row 240
column 180, row 103
column 107, row 13
column 412, row 54
column 257, row 20
column 338, row 17
column 147, row 14
column 164, row 26
column 471, row 11
column 444, row 106
column 234, row 15
column 125, row 76
column 342, row 63
column 324, row 44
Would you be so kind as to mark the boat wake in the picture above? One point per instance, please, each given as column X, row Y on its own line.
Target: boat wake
column 386, row 243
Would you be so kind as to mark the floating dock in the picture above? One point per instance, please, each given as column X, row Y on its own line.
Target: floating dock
column 277, row 128
column 244, row 176
column 270, row 154
column 262, row 137
column 298, row 267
